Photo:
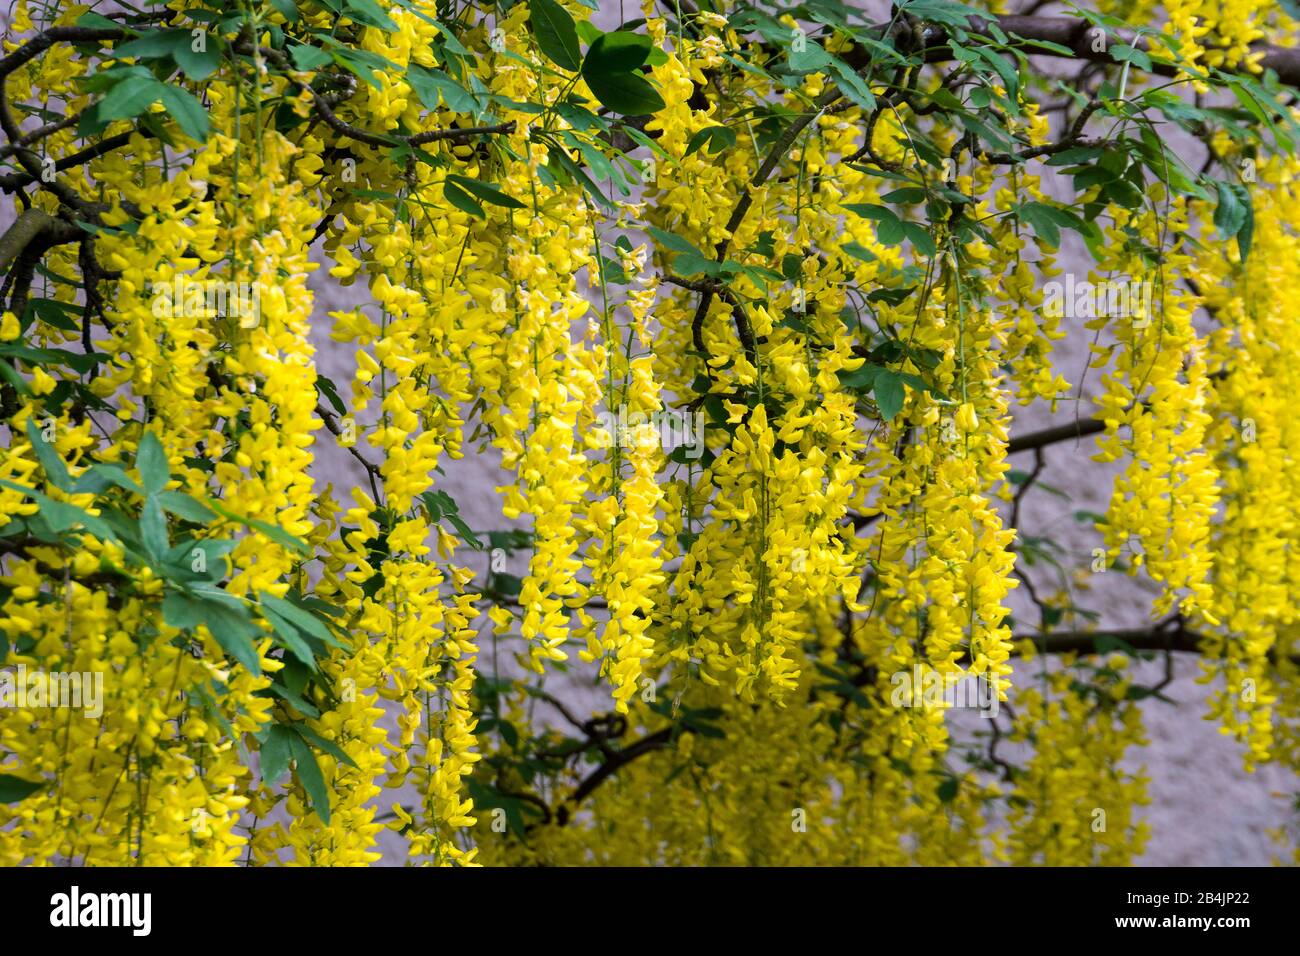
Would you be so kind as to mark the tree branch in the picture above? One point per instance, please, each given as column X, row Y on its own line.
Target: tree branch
column 1055, row 434
column 620, row 758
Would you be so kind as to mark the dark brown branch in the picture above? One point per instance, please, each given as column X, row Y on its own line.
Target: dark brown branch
column 1169, row 635
column 1154, row 638
column 92, row 274
column 14, row 181
column 558, row 705
column 741, row 318
column 324, row 109
column 1057, row 433
column 49, row 129
column 620, row 758
column 17, row 237
column 1075, row 34
column 434, row 135
column 1039, row 463
column 32, row 235
column 1073, row 137
column 372, row 470
column 47, row 38
column 761, row 176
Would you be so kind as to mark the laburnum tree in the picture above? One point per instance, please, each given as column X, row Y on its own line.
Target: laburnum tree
column 824, row 233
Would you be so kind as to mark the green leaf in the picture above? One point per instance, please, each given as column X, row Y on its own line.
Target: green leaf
column 811, row 59
column 889, row 394
column 1006, row 73
column 626, row 93
column 13, row 789
column 228, row 624
column 100, row 476
column 718, row 138
column 690, row 264
column 364, row 64
column 151, row 460
column 278, row 535
column 290, row 638
column 672, row 241
column 872, row 211
column 489, row 798
column 461, row 199
column 61, row 516
column 859, row 251
column 1166, row 165
column 80, row 361
column 618, row 52
column 853, row 86
column 907, row 195
column 307, row 58
column 941, row 11
column 1056, row 48
column 275, row 753
column 1127, row 54
column 177, row 44
column 862, row 377
column 153, row 529
column 429, row 85
column 561, row 158
column 1074, row 156
column 313, row 781
column 891, row 232
column 56, row 471
column 465, row 531
column 1046, row 221
column 187, row 111
column 180, row 559
column 197, row 65
column 153, row 44
column 369, row 13
column 129, row 98
column 100, row 22
column 556, row 34
column 947, row 790
column 300, row 618
column 323, row 745
column 16, row 381
column 290, row 695
column 1230, row 213
column 703, row 729
column 331, row 392
column 920, row 237
column 186, row 506
column 486, row 192
column 52, row 312
column 1247, row 231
